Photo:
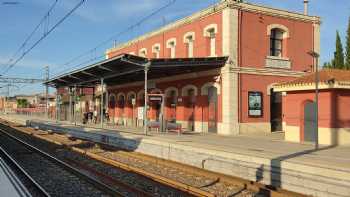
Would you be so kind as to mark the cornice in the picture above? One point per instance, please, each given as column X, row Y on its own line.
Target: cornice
column 267, row 71
column 310, row 86
column 215, row 9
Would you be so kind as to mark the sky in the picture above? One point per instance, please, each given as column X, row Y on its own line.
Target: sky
column 95, row 22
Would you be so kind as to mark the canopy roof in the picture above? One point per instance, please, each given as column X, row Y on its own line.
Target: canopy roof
column 127, row 68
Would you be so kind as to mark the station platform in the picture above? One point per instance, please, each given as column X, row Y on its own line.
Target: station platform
column 264, row 158
column 10, row 185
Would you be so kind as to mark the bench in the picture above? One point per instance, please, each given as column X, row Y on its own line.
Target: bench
column 170, row 126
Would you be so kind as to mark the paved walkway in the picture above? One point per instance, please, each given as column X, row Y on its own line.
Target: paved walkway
column 270, row 146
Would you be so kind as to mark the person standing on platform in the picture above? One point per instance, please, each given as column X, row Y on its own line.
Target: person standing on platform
column 95, row 116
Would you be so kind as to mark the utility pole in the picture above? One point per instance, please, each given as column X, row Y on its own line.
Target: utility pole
column 47, row 76
column 7, row 97
column 315, row 57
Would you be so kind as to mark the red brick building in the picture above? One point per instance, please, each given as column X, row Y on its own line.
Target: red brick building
column 264, row 46
column 241, row 31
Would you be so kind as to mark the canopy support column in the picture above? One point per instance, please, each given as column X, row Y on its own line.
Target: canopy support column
column 70, row 106
column 56, row 107
column 101, row 104
column 145, row 125
column 75, row 105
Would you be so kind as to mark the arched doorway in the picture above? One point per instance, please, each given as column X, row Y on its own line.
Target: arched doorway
column 156, row 106
column 121, row 105
column 212, row 109
column 111, row 106
column 191, row 103
column 309, row 126
column 131, row 104
column 171, row 102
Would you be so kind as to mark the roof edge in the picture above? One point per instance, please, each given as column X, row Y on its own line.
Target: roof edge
column 217, row 8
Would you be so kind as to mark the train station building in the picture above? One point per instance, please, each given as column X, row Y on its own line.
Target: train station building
column 213, row 71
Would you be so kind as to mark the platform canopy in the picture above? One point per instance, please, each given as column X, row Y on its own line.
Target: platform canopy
column 126, row 68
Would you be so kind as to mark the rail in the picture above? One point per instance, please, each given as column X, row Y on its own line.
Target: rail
column 64, row 165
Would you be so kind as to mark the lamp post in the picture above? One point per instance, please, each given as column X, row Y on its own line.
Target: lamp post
column 316, row 56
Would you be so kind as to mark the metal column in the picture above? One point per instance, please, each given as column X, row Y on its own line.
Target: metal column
column 316, row 56
column 101, row 104
column 70, row 105
column 107, row 103
column 316, row 102
column 145, row 126
column 75, row 105
column 56, row 108
column 47, row 92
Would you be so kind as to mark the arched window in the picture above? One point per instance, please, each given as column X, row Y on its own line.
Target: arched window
column 130, row 97
column 210, row 32
column 276, row 42
column 189, row 40
column 171, row 44
column 143, row 52
column 156, row 50
column 121, row 100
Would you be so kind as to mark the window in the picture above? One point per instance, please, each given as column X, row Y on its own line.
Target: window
column 276, row 42
column 156, row 50
column 189, row 40
column 143, row 52
column 171, row 44
column 210, row 32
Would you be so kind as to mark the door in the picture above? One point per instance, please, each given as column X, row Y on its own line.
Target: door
column 212, row 109
column 191, row 109
column 276, row 111
column 309, row 122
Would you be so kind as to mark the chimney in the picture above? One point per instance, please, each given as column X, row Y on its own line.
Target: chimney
column 306, row 7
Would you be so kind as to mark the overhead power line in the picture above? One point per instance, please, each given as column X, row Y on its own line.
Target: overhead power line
column 19, row 80
column 46, row 33
column 23, row 45
column 138, row 23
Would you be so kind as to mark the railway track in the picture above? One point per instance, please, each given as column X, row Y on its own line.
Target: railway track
column 195, row 181
column 46, row 175
column 127, row 182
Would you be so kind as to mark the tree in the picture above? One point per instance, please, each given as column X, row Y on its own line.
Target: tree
column 327, row 65
column 22, row 103
column 347, row 57
column 338, row 54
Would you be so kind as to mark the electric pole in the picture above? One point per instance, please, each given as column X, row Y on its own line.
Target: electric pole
column 47, row 76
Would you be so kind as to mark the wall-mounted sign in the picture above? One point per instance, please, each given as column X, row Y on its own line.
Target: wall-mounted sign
column 140, row 113
column 155, row 98
column 255, row 106
column 133, row 101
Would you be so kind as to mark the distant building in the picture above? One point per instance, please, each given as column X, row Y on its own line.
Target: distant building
column 35, row 102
